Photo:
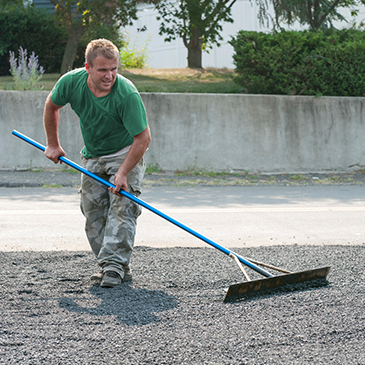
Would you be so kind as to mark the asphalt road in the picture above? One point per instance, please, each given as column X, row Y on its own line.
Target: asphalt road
column 42, row 219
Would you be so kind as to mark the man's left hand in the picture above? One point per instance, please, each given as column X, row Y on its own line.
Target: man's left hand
column 120, row 182
column 135, row 153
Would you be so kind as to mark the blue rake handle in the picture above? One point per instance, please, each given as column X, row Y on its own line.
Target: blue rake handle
column 145, row 205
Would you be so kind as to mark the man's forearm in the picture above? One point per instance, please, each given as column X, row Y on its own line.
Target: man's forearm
column 50, row 123
column 136, row 152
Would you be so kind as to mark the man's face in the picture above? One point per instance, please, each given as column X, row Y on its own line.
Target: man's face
column 102, row 73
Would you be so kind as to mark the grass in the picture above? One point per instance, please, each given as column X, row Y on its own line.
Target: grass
column 214, row 174
column 297, row 177
column 36, row 170
column 182, row 80
column 47, row 81
column 52, row 186
column 197, row 177
column 151, row 168
column 199, row 172
column 176, row 80
column 69, row 170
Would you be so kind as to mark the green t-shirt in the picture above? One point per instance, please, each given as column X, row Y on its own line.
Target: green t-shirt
column 108, row 123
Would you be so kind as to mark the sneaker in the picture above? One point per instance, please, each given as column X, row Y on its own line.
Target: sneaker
column 98, row 276
column 110, row 279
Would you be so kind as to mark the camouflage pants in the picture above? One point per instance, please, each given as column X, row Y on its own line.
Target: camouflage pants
column 110, row 220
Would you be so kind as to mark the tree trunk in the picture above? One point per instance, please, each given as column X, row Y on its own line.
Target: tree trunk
column 195, row 50
column 194, row 57
column 74, row 36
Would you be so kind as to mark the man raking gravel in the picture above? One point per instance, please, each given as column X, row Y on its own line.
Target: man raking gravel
column 116, row 135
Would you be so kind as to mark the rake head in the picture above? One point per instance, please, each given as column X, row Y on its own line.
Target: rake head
column 250, row 287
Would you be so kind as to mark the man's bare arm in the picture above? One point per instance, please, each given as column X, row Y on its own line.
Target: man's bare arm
column 50, row 121
column 139, row 146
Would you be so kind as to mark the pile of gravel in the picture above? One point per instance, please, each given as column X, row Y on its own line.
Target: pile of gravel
column 173, row 310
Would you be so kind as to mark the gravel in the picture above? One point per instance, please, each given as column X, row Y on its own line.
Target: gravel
column 173, row 311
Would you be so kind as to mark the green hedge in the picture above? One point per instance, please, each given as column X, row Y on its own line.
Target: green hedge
column 34, row 30
column 301, row 63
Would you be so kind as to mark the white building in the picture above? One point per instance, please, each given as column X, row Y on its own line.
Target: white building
column 173, row 54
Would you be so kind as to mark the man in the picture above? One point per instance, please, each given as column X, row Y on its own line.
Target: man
column 116, row 135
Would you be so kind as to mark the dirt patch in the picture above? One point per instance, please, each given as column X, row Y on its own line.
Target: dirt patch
column 177, row 71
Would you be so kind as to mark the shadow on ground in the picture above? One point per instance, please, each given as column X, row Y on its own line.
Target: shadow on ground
column 132, row 306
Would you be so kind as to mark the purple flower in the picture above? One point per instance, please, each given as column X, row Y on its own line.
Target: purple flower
column 26, row 72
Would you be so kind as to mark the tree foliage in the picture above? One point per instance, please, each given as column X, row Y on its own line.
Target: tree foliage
column 8, row 5
column 318, row 14
column 78, row 16
column 35, row 29
column 110, row 32
column 197, row 22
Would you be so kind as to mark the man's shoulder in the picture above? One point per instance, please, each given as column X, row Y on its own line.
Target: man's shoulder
column 74, row 74
column 69, row 86
column 125, row 86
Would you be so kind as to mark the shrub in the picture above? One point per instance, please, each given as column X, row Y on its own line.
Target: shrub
column 33, row 29
column 25, row 72
column 133, row 57
column 301, row 63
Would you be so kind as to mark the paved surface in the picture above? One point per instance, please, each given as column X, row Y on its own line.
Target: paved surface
column 48, row 219
column 172, row 311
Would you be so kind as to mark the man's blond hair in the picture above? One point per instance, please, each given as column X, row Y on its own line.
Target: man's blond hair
column 101, row 47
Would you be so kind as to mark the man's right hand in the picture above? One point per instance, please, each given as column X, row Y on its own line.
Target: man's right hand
column 54, row 153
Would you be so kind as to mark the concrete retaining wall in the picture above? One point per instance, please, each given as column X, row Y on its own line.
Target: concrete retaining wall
column 210, row 131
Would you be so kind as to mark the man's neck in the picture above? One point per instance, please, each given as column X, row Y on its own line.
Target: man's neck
column 97, row 92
